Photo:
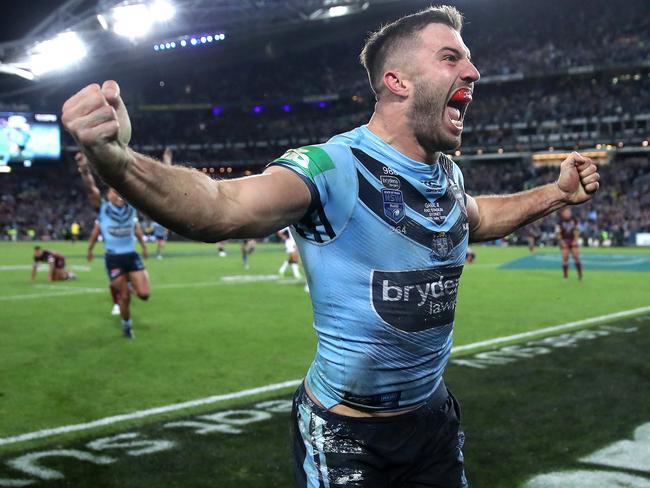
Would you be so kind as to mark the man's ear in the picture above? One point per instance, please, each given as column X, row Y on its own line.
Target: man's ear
column 396, row 82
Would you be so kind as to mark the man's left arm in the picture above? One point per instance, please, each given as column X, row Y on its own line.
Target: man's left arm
column 493, row 217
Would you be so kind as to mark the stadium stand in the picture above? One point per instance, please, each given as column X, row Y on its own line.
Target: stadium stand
column 546, row 87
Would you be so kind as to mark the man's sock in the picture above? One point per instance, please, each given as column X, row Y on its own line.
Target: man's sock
column 295, row 270
column 127, row 328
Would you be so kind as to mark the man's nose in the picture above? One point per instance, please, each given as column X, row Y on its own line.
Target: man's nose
column 470, row 74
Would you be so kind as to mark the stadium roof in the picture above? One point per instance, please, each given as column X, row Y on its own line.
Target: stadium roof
column 93, row 21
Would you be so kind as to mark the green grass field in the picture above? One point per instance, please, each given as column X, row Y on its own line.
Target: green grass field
column 213, row 328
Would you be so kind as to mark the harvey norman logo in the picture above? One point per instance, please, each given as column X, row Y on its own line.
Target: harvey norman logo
column 416, row 300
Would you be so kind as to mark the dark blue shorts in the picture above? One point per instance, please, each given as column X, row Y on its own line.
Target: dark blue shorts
column 119, row 264
column 415, row 449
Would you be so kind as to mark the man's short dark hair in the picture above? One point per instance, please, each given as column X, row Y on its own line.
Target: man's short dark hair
column 36, row 248
column 380, row 44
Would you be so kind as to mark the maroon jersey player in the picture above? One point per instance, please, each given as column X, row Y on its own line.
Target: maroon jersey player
column 56, row 263
column 567, row 232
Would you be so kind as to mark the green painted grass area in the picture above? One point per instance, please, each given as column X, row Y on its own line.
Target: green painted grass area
column 63, row 360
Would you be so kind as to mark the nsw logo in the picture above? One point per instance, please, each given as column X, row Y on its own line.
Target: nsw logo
column 393, row 205
column 416, row 300
column 441, row 246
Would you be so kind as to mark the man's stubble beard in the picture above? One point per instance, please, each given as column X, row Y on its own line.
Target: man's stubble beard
column 426, row 118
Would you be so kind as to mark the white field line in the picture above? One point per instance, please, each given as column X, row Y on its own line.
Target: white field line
column 146, row 413
column 41, row 267
column 288, row 384
column 62, row 290
column 554, row 328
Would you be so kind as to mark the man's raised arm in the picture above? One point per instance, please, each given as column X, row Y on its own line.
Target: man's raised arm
column 493, row 217
column 184, row 200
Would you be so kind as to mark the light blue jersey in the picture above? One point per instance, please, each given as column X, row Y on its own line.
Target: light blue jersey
column 117, row 225
column 383, row 245
column 159, row 231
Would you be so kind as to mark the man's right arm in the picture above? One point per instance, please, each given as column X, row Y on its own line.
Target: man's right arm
column 184, row 200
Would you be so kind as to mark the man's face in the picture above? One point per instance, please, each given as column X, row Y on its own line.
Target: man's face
column 566, row 214
column 38, row 253
column 440, row 66
column 114, row 198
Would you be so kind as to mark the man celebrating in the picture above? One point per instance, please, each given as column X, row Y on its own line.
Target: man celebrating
column 117, row 222
column 382, row 222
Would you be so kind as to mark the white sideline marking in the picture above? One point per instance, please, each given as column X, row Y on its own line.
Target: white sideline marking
column 41, row 267
column 291, row 383
column 226, row 280
column 554, row 328
column 146, row 413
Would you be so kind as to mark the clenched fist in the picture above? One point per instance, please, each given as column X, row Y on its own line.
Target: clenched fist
column 579, row 178
column 99, row 122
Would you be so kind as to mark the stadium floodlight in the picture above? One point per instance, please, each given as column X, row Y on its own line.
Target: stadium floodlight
column 59, row 52
column 162, row 11
column 11, row 69
column 339, row 8
column 132, row 20
column 102, row 21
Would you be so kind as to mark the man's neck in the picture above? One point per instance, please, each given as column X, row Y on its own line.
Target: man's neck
column 401, row 138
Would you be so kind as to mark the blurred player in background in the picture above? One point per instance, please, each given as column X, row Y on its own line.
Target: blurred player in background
column 532, row 233
column 75, row 228
column 221, row 249
column 293, row 258
column 567, row 233
column 117, row 222
column 160, row 233
column 470, row 255
column 56, row 265
column 247, row 248
column 384, row 270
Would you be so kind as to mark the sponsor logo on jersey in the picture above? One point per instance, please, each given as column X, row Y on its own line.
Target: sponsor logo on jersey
column 432, row 185
column 298, row 156
column 391, row 182
column 416, row 300
column 312, row 159
column 121, row 231
column 441, row 246
column 393, row 204
column 383, row 400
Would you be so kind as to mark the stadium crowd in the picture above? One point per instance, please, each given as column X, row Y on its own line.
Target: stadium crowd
column 48, row 203
column 244, row 116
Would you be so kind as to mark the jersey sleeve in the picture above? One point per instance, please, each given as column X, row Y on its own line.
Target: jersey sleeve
column 326, row 170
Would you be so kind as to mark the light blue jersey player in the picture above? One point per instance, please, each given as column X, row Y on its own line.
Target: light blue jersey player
column 160, row 233
column 394, row 233
column 117, row 223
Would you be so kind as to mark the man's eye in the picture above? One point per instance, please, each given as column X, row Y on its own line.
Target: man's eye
column 450, row 58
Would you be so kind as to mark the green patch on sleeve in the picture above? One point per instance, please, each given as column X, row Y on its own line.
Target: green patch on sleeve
column 311, row 159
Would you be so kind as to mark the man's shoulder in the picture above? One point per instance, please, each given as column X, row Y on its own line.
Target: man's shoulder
column 318, row 158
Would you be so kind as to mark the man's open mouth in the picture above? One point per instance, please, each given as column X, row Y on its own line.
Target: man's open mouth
column 457, row 106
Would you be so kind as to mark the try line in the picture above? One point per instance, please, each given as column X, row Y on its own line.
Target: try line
column 39, row 434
